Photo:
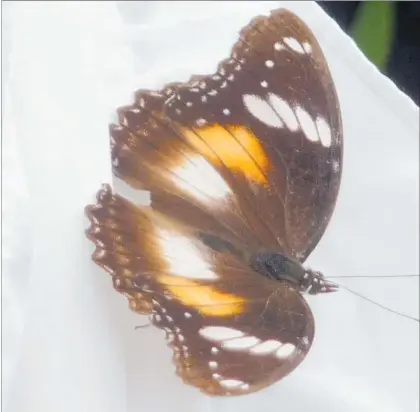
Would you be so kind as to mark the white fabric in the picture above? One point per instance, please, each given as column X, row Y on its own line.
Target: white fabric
column 68, row 338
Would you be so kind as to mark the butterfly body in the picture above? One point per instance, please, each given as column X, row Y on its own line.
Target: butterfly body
column 243, row 168
column 279, row 267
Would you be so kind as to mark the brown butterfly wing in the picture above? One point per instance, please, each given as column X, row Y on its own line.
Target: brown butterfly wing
column 244, row 351
column 232, row 331
column 270, row 116
column 253, row 151
column 148, row 153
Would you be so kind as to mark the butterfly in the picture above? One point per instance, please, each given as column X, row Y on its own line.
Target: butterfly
column 243, row 167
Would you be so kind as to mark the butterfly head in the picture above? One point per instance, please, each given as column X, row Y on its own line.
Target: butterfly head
column 314, row 282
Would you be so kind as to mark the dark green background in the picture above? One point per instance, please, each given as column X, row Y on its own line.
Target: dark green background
column 389, row 35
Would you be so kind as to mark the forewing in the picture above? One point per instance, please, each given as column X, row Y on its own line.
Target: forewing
column 252, row 153
column 149, row 153
column 232, row 331
column 269, row 121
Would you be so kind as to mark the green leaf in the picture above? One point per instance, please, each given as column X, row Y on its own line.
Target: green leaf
column 373, row 30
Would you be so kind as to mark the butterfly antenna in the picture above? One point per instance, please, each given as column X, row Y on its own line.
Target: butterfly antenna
column 378, row 304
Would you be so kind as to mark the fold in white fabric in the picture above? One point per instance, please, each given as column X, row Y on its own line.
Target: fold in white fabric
column 69, row 339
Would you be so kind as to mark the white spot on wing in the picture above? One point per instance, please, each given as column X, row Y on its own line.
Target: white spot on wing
column 231, row 383
column 214, row 350
column 123, row 120
column 241, row 343
column 269, row 63
column 200, row 179
column 294, row 45
column 102, row 252
column 260, row 109
column 219, row 333
column 324, row 131
column 285, row 350
column 226, row 112
column 183, row 257
column 213, row 364
column 307, row 124
column 187, row 315
column 278, row 46
column 284, row 110
column 266, row 347
column 307, row 47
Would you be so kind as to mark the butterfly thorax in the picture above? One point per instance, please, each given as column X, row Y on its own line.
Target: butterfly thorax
column 279, row 267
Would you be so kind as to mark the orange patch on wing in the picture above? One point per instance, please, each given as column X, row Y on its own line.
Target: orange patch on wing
column 203, row 298
column 235, row 146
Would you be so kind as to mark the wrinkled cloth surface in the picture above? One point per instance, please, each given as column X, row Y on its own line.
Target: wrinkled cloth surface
column 69, row 342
